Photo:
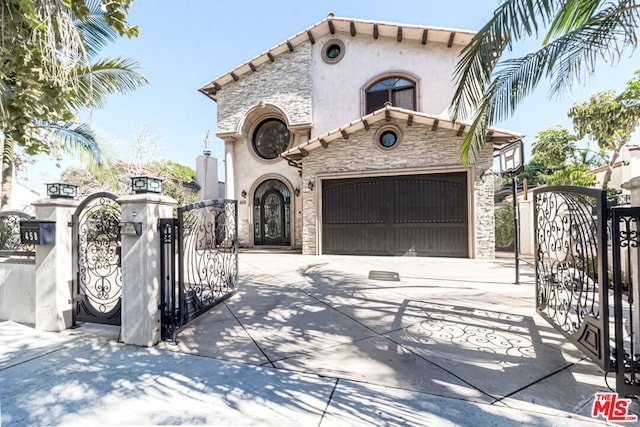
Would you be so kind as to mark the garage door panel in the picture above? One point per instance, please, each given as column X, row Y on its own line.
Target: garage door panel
column 364, row 240
column 425, row 214
column 447, row 241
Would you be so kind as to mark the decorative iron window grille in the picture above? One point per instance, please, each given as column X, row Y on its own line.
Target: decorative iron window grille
column 10, row 235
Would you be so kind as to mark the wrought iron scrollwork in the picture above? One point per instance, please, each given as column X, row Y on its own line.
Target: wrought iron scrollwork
column 571, row 282
column 99, row 275
column 10, row 234
column 625, row 239
column 207, row 247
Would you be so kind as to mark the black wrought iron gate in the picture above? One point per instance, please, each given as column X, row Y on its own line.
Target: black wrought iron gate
column 199, row 269
column 577, row 285
column 625, row 242
column 96, row 260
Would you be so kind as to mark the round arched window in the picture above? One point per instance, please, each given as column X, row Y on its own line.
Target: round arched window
column 271, row 138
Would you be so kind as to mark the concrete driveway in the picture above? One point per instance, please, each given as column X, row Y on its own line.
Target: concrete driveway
column 455, row 328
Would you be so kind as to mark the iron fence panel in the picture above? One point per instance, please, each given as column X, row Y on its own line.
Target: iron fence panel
column 572, row 291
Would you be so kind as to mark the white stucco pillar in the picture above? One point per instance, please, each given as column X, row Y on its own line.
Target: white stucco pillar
column 229, row 183
column 207, row 177
column 54, row 269
column 141, row 267
column 634, row 187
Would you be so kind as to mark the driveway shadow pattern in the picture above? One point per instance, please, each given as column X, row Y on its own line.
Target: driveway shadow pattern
column 454, row 328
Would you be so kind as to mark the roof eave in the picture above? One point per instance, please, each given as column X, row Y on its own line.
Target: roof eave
column 331, row 25
column 497, row 137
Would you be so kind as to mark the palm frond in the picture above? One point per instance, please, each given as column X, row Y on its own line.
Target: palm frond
column 609, row 32
column 106, row 77
column 75, row 138
column 94, row 29
column 512, row 21
column 565, row 59
column 573, row 14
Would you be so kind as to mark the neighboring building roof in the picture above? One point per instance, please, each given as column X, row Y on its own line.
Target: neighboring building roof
column 498, row 137
column 333, row 25
column 604, row 168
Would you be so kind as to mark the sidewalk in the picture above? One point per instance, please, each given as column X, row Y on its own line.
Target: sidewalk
column 314, row 341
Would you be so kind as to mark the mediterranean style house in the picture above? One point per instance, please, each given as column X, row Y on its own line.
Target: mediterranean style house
column 338, row 141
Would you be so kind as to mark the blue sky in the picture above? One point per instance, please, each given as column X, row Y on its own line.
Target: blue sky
column 184, row 44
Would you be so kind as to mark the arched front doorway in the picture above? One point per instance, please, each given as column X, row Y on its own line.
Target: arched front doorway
column 272, row 213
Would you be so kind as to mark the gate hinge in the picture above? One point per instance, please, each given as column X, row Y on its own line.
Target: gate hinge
column 70, row 224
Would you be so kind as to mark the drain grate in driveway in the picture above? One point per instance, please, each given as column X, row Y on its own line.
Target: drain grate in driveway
column 389, row 276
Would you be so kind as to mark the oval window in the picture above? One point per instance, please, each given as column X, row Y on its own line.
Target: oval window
column 271, row 138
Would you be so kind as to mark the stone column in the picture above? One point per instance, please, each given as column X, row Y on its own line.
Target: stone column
column 141, row 267
column 54, row 269
column 634, row 187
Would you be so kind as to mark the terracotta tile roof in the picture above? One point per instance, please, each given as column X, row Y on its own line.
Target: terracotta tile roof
column 498, row 137
column 336, row 25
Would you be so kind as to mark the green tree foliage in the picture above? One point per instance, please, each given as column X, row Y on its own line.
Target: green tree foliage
column 609, row 119
column 553, row 149
column 174, row 175
column 578, row 34
column 49, row 69
column 572, row 174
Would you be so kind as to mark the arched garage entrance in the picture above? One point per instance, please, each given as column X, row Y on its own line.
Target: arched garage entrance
column 393, row 215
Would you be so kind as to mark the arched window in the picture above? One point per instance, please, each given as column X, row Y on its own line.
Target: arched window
column 399, row 91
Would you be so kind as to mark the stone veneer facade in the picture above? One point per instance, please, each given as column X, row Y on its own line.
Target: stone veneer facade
column 285, row 87
column 285, row 83
column 420, row 151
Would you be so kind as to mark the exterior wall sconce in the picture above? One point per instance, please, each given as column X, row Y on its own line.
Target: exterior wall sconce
column 243, row 194
column 146, row 184
column 62, row 190
column 310, row 185
column 296, row 192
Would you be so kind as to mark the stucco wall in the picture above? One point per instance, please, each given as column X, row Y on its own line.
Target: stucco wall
column 18, row 290
column 307, row 90
column 337, row 88
column 421, row 151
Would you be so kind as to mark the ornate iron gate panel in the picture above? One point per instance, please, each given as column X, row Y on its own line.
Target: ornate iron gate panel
column 10, row 235
column 625, row 242
column 571, row 276
column 206, row 234
column 96, row 261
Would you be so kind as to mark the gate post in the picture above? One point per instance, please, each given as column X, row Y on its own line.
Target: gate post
column 141, row 266
column 54, row 272
column 634, row 275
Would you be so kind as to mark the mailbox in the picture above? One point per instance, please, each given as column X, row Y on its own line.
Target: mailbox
column 38, row 232
column 130, row 228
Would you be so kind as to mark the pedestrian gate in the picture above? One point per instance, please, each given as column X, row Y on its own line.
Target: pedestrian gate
column 578, row 290
column 96, row 260
column 199, row 267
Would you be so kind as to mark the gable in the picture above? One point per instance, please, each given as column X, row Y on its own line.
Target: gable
column 407, row 119
column 344, row 26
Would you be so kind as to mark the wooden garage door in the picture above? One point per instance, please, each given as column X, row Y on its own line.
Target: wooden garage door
column 421, row 214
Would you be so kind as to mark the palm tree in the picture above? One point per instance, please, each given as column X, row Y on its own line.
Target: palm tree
column 91, row 82
column 579, row 32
